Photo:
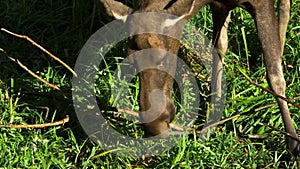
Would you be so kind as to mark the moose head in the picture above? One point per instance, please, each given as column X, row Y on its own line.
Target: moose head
column 156, row 85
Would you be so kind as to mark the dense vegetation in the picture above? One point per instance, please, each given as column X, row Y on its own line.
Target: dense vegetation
column 63, row 27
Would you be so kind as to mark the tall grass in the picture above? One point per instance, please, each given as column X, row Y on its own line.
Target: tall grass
column 64, row 26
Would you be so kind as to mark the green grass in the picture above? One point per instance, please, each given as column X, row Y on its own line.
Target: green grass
column 63, row 27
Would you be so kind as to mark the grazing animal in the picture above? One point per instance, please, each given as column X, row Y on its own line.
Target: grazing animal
column 271, row 32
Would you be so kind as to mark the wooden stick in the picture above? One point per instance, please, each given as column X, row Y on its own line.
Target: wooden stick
column 284, row 133
column 272, row 104
column 268, row 90
column 180, row 128
column 40, row 47
column 57, row 123
column 219, row 122
column 276, row 95
column 29, row 71
column 130, row 112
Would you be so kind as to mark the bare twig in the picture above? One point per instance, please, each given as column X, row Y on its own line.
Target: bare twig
column 257, row 136
column 33, row 74
column 130, row 112
column 264, row 107
column 276, row 95
column 29, row 71
column 219, row 122
column 136, row 114
column 272, row 104
column 268, row 166
column 57, row 123
column 181, row 128
column 284, row 133
column 269, row 90
column 42, row 48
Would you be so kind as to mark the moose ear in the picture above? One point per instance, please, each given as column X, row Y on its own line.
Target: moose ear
column 116, row 9
column 183, row 9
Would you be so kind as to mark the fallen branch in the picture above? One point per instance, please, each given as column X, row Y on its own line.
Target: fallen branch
column 265, row 107
column 29, row 71
column 219, row 122
column 284, row 133
column 272, row 105
column 257, row 136
column 276, row 95
column 57, row 123
column 130, row 112
column 268, row 90
column 40, row 47
column 181, row 128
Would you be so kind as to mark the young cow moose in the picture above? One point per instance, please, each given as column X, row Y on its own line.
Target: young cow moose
column 271, row 31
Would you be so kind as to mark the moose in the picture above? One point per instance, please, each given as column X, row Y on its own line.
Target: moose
column 271, row 30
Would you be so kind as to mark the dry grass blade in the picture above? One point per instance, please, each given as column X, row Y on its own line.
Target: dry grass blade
column 40, row 47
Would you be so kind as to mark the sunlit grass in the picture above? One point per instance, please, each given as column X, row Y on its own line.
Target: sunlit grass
column 63, row 27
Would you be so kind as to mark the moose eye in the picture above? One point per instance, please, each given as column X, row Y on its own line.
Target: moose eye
column 132, row 45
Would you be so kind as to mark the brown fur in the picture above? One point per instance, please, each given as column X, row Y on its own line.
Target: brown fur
column 271, row 31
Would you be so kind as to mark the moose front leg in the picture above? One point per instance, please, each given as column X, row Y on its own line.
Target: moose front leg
column 221, row 18
column 283, row 18
column 268, row 32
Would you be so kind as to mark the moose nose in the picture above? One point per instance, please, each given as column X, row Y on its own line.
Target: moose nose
column 157, row 129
